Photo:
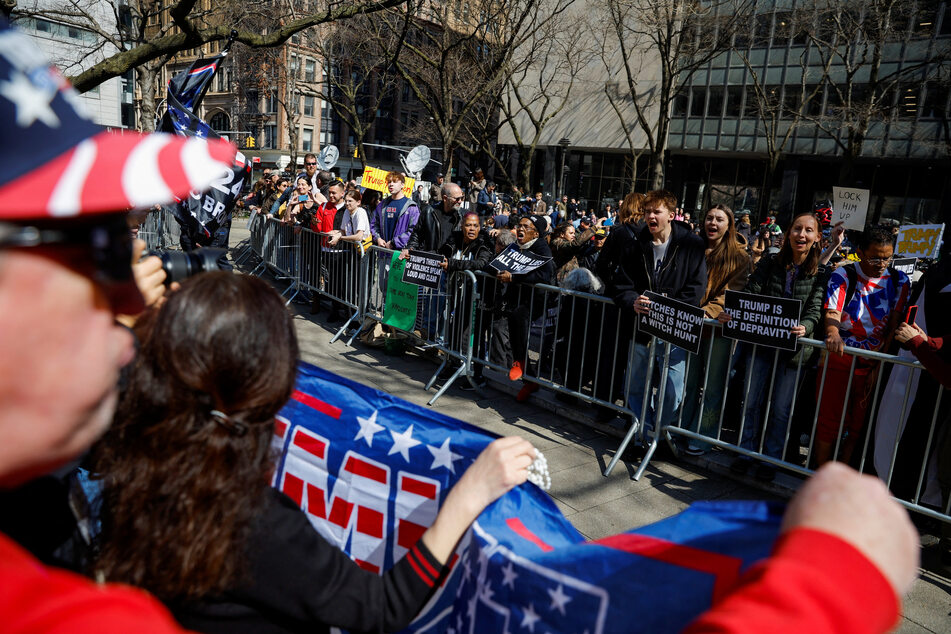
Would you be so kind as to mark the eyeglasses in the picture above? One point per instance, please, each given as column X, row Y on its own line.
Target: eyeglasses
column 309, row 163
column 109, row 242
column 528, row 227
column 879, row 261
column 455, row 199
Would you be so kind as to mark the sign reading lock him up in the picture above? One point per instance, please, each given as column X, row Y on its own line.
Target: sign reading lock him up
column 850, row 206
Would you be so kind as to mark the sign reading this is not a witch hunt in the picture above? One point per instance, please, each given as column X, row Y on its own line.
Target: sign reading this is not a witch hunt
column 673, row 321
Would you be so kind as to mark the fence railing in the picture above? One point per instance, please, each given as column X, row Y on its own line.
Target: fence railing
column 771, row 409
column 160, row 230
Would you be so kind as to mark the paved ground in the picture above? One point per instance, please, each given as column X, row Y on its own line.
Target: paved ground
column 577, row 454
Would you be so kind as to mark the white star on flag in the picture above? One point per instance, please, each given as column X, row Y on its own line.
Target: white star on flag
column 31, row 101
column 509, row 574
column 558, row 598
column 368, row 427
column 529, row 618
column 487, row 592
column 443, row 457
column 402, row 443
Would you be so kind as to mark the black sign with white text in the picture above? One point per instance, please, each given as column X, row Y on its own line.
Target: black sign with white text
column 905, row 265
column 517, row 261
column 765, row 321
column 673, row 321
column 423, row 269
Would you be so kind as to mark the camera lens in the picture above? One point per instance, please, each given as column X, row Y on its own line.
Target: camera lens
column 179, row 265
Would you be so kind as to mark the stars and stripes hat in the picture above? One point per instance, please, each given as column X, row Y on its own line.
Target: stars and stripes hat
column 57, row 163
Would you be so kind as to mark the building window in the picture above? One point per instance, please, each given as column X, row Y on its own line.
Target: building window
column 295, row 67
column 308, row 106
column 310, row 70
column 680, row 104
column 127, row 99
column 271, row 101
column 270, row 137
column 219, row 122
column 734, row 100
column 935, row 102
column 307, row 139
column 715, row 102
column 697, row 101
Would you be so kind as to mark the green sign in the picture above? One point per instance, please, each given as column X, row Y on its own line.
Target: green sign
column 399, row 309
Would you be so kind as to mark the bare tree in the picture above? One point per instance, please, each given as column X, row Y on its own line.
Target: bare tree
column 850, row 37
column 655, row 46
column 129, row 43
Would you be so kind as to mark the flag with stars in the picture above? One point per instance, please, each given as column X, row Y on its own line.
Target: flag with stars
column 200, row 215
column 370, row 471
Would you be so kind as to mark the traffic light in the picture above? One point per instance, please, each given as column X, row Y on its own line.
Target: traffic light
column 249, row 142
column 356, row 151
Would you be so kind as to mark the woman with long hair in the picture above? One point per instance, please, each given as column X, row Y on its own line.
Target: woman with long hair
column 795, row 273
column 567, row 244
column 187, row 511
column 728, row 267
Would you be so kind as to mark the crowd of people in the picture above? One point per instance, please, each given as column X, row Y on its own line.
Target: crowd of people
column 180, row 428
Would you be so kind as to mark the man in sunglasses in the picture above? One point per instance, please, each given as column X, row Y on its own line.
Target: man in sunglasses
column 65, row 274
column 865, row 302
column 437, row 222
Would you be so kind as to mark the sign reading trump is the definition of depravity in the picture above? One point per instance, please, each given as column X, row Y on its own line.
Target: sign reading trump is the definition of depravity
column 765, row 321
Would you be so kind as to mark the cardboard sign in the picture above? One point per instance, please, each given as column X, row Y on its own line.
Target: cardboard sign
column 423, row 269
column 850, row 206
column 765, row 321
column 399, row 308
column 516, row 261
column 905, row 265
column 919, row 241
column 375, row 178
column 674, row 321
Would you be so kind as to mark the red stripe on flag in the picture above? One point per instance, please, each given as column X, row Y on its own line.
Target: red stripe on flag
column 425, row 489
column 315, row 502
column 419, row 573
column 369, row 522
column 365, row 469
column 280, row 428
column 316, row 403
column 725, row 569
column 294, row 488
column 409, row 533
column 522, row 531
column 309, row 444
column 366, row 565
column 340, row 512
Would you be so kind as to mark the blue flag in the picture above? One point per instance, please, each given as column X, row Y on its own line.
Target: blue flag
column 370, row 471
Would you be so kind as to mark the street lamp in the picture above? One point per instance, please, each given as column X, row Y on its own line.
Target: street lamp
column 565, row 142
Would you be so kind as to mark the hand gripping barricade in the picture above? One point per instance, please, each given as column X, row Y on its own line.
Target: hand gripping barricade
column 444, row 317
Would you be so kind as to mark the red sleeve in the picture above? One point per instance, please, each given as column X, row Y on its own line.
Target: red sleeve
column 814, row 582
column 38, row 599
column 927, row 353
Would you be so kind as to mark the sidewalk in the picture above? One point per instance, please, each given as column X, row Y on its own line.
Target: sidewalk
column 577, row 453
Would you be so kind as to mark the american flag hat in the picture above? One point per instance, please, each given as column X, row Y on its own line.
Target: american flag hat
column 57, row 163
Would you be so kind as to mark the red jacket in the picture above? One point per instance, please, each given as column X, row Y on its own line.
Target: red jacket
column 814, row 582
column 927, row 353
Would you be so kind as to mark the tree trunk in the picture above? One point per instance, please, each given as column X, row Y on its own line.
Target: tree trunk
column 145, row 78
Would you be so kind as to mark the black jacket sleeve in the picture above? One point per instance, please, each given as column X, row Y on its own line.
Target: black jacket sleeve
column 297, row 581
column 695, row 274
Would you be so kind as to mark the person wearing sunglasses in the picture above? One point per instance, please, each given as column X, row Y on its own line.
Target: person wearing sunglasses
column 864, row 305
column 318, row 181
column 65, row 274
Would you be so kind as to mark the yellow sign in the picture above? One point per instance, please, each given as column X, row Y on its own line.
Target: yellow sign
column 919, row 241
column 375, row 178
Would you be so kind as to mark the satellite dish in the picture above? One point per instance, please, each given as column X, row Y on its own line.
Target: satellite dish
column 417, row 159
column 328, row 157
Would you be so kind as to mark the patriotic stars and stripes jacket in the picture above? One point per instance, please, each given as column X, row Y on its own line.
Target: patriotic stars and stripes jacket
column 296, row 581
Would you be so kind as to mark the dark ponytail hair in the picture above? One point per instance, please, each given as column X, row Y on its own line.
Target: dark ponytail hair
column 188, row 459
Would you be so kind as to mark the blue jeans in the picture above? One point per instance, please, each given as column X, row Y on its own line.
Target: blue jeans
column 674, row 393
column 784, row 389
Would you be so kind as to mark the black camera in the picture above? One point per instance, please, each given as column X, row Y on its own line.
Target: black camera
column 179, row 265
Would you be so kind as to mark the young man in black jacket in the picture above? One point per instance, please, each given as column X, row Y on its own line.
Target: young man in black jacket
column 666, row 258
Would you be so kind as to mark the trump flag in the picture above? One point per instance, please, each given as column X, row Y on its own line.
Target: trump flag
column 370, row 471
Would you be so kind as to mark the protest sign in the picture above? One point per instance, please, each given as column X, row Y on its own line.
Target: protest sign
column 919, row 241
column 905, row 265
column 375, row 178
column 399, row 311
column 850, row 207
column 765, row 321
column 673, row 321
column 516, row 261
column 423, row 269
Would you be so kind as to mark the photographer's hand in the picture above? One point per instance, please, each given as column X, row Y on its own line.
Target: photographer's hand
column 149, row 278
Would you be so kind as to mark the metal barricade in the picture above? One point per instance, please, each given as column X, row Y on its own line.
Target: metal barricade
column 160, row 230
column 445, row 318
column 861, row 402
column 334, row 271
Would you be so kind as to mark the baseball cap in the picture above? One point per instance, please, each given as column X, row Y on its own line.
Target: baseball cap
column 67, row 166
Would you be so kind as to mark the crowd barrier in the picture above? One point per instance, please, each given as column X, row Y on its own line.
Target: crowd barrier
column 160, row 230
column 576, row 345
